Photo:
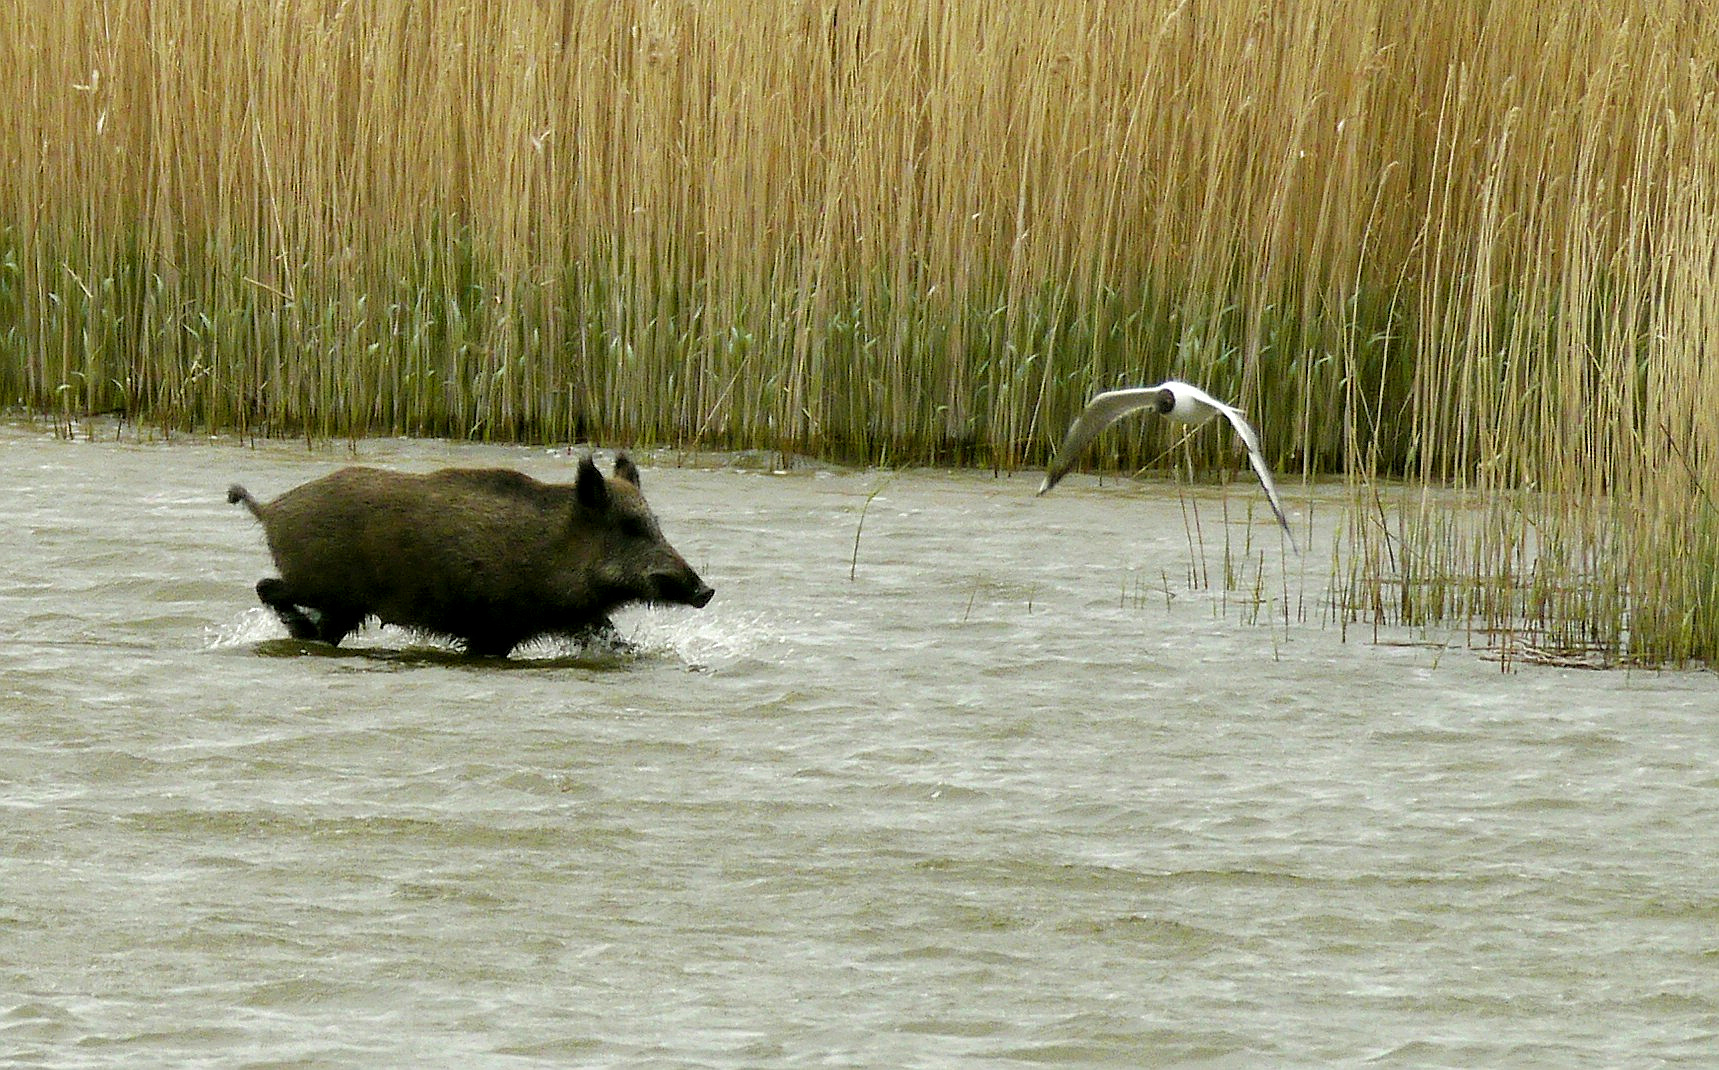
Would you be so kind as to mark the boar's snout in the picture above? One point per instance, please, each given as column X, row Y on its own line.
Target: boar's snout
column 682, row 588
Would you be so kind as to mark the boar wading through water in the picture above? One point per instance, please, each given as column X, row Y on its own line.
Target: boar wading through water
column 487, row 556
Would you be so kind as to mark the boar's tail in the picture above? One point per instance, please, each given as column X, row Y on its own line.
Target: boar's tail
column 237, row 494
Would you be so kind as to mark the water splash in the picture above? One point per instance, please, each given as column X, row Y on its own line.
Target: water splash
column 253, row 626
column 702, row 641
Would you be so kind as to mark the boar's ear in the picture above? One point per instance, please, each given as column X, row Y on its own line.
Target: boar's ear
column 593, row 493
column 626, row 469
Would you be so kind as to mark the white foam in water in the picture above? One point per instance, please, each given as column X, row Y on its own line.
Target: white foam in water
column 249, row 628
column 261, row 625
column 698, row 640
column 702, row 640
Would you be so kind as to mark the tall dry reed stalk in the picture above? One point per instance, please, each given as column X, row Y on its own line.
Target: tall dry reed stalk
column 1443, row 240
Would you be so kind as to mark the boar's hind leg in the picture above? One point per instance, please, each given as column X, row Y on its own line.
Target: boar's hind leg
column 273, row 593
column 328, row 625
column 335, row 625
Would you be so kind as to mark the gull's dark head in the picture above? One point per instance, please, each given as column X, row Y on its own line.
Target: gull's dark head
column 1166, row 401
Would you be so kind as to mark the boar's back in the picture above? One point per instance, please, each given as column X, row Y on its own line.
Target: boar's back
column 429, row 550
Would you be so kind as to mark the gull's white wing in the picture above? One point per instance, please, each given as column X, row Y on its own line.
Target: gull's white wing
column 1100, row 413
column 1245, row 432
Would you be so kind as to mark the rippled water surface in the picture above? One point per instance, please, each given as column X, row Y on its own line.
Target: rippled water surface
column 1016, row 794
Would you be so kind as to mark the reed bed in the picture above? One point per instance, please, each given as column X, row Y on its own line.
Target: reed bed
column 1440, row 242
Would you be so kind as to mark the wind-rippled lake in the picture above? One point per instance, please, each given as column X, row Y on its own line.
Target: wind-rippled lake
column 1016, row 794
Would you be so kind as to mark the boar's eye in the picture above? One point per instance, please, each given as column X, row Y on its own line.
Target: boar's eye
column 634, row 528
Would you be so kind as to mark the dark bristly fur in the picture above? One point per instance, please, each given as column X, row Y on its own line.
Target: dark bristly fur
column 488, row 556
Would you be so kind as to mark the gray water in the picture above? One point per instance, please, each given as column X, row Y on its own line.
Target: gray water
column 1017, row 794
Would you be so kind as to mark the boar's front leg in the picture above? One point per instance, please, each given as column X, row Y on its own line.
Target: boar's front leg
column 328, row 626
column 603, row 631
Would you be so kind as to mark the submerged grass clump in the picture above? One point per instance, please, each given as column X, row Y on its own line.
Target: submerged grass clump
column 1440, row 241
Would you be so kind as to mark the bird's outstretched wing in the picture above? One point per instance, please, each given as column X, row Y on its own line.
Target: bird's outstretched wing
column 1100, row 413
column 1250, row 439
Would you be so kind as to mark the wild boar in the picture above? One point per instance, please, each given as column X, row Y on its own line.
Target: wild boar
column 487, row 556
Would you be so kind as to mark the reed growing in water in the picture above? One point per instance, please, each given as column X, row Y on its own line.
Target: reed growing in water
column 1439, row 240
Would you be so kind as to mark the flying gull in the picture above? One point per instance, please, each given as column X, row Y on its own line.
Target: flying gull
column 1183, row 402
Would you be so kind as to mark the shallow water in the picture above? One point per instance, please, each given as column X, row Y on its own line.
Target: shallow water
column 1016, row 794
